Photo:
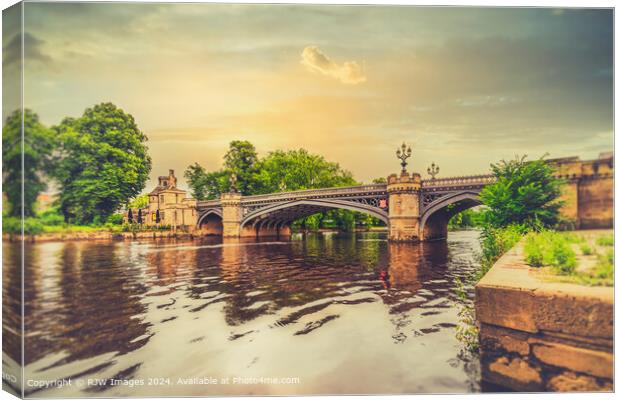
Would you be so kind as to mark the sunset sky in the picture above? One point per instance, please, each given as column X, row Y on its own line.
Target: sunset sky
column 464, row 86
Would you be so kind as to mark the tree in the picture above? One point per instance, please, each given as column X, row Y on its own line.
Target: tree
column 140, row 201
column 379, row 180
column 206, row 185
column 38, row 147
column 525, row 192
column 279, row 171
column 241, row 160
column 283, row 171
column 103, row 163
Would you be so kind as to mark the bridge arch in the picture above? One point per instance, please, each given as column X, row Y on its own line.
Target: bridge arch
column 211, row 222
column 434, row 219
column 281, row 214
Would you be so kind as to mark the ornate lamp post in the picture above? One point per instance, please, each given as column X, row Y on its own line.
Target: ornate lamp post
column 433, row 170
column 403, row 154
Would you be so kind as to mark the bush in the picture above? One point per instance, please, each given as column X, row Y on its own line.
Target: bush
column 524, row 192
column 115, row 219
column 605, row 266
column 497, row 241
column 32, row 226
column 586, row 250
column 11, row 225
column 564, row 258
column 605, row 241
column 51, row 217
column 534, row 252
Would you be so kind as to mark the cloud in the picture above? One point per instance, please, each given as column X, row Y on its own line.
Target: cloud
column 32, row 50
column 350, row 72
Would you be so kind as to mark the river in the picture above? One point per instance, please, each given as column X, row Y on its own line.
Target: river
column 321, row 314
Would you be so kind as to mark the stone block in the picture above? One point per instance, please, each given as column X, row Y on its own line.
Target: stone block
column 504, row 340
column 591, row 362
column 571, row 382
column 514, row 373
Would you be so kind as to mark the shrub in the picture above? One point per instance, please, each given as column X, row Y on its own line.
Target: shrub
column 115, row 219
column 11, row 225
column 524, row 192
column 51, row 217
column 604, row 268
column 605, row 241
column 586, row 250
column 97, row 220
column 564, row 258
column 534, row 252
column 32, row 226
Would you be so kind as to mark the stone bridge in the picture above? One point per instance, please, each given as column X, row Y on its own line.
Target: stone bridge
column 412, row 208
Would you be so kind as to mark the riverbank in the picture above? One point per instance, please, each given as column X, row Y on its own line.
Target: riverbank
column 98, row 235
column 541, row 334
column 105, row 234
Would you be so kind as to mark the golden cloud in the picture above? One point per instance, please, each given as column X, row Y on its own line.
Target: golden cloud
column 350, row 72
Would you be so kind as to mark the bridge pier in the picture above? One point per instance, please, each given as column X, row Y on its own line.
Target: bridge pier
column 404, row 211
column 231, row 214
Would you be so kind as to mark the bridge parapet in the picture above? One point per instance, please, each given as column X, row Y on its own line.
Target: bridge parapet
column 315, row 193
column 456, row 181
column 208, row 203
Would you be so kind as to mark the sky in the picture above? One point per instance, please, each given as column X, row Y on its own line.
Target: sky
column 465, row 87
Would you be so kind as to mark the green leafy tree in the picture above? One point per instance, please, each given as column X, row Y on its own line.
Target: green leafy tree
column 282, row 171
column 525, row 193
column 466, row 219
column 38, row 147
column 379, row 180
column 140, row 201
column 206, row 185
column 279, row 171
column 241, row 160
column 195, row 180
column 103, row 163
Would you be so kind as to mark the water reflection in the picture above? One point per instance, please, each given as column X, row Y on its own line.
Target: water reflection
column 344, row 314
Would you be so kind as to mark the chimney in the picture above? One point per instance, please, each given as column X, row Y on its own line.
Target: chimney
column 170, row 172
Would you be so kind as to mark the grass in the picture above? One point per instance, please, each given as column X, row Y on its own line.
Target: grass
column 52, row 223
column 604, row 268
column 555, row 252
column 550, row 248
column 81, row 228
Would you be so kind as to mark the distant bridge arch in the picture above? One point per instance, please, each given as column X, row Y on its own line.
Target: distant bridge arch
column 434, row 219
column 210, row 211
column 287, row 212
column 211, row 221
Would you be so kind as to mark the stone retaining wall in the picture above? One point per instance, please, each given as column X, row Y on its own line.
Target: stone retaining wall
column 101, row 235
column 537, row 335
